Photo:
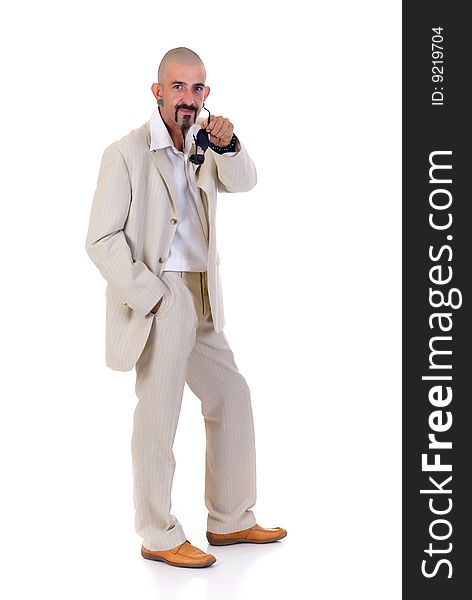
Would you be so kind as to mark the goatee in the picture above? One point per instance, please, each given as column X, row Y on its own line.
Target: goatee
column 184, row 129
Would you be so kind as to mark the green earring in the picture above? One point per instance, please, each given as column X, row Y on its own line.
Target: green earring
column 160, row 101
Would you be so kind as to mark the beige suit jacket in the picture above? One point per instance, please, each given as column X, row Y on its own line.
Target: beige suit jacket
column 132, row 223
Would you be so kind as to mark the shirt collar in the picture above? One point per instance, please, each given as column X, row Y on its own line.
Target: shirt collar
column 160, row 136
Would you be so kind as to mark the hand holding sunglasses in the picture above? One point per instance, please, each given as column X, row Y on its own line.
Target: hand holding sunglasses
column 202, row 140
column 221, row 130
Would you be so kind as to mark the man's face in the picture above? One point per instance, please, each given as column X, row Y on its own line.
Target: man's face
column 183, row 91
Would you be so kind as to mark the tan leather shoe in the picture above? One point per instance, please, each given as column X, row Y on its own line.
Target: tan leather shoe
column 254, row 535
column 183, row 555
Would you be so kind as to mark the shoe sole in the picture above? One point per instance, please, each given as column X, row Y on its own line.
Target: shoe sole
column 230, row 541
column 162, row 559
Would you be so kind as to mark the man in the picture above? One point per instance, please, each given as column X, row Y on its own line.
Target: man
column 152, row 236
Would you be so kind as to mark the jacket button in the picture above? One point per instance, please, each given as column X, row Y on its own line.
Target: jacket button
column 173, row 221
column 161, row 260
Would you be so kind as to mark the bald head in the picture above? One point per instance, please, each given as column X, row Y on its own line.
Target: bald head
column 181, row 90
column 179, row 56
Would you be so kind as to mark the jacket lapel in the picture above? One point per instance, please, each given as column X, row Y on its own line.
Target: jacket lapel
column 201, row 178
column 161, row 162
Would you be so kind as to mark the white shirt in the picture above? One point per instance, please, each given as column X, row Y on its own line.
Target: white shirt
column 189, row 249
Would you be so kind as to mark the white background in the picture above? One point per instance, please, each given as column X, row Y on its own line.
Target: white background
column 310, row 263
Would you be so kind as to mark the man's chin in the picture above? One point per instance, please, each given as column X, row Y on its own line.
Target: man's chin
column 185, row 120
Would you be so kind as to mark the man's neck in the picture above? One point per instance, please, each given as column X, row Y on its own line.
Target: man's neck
column 178, row 138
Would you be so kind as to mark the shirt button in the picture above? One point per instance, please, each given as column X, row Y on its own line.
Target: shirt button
column 161, row 260
column 173, row 221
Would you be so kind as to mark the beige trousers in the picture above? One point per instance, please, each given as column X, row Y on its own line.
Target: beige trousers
column 183, row 347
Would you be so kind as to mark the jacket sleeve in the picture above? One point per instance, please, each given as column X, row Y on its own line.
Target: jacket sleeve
column 106, row 241
column 235, row 173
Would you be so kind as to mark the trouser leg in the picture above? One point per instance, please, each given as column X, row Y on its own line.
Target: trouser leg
column 160, row 380
column 212, row 375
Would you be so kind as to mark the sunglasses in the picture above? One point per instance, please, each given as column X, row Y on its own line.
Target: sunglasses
column 202, row 140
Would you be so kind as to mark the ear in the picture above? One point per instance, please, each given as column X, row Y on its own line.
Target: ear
column 156, row 89
column 206, row 92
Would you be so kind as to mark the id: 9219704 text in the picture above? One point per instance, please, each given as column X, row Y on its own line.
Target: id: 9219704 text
column 437, row 69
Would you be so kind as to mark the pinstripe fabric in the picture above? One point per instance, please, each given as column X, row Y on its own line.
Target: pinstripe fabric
column 184, row 346
column 132, row 224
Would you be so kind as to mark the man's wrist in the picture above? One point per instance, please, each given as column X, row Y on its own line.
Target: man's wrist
column 231, row 147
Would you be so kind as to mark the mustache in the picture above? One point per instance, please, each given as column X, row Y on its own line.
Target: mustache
column 187, row 107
